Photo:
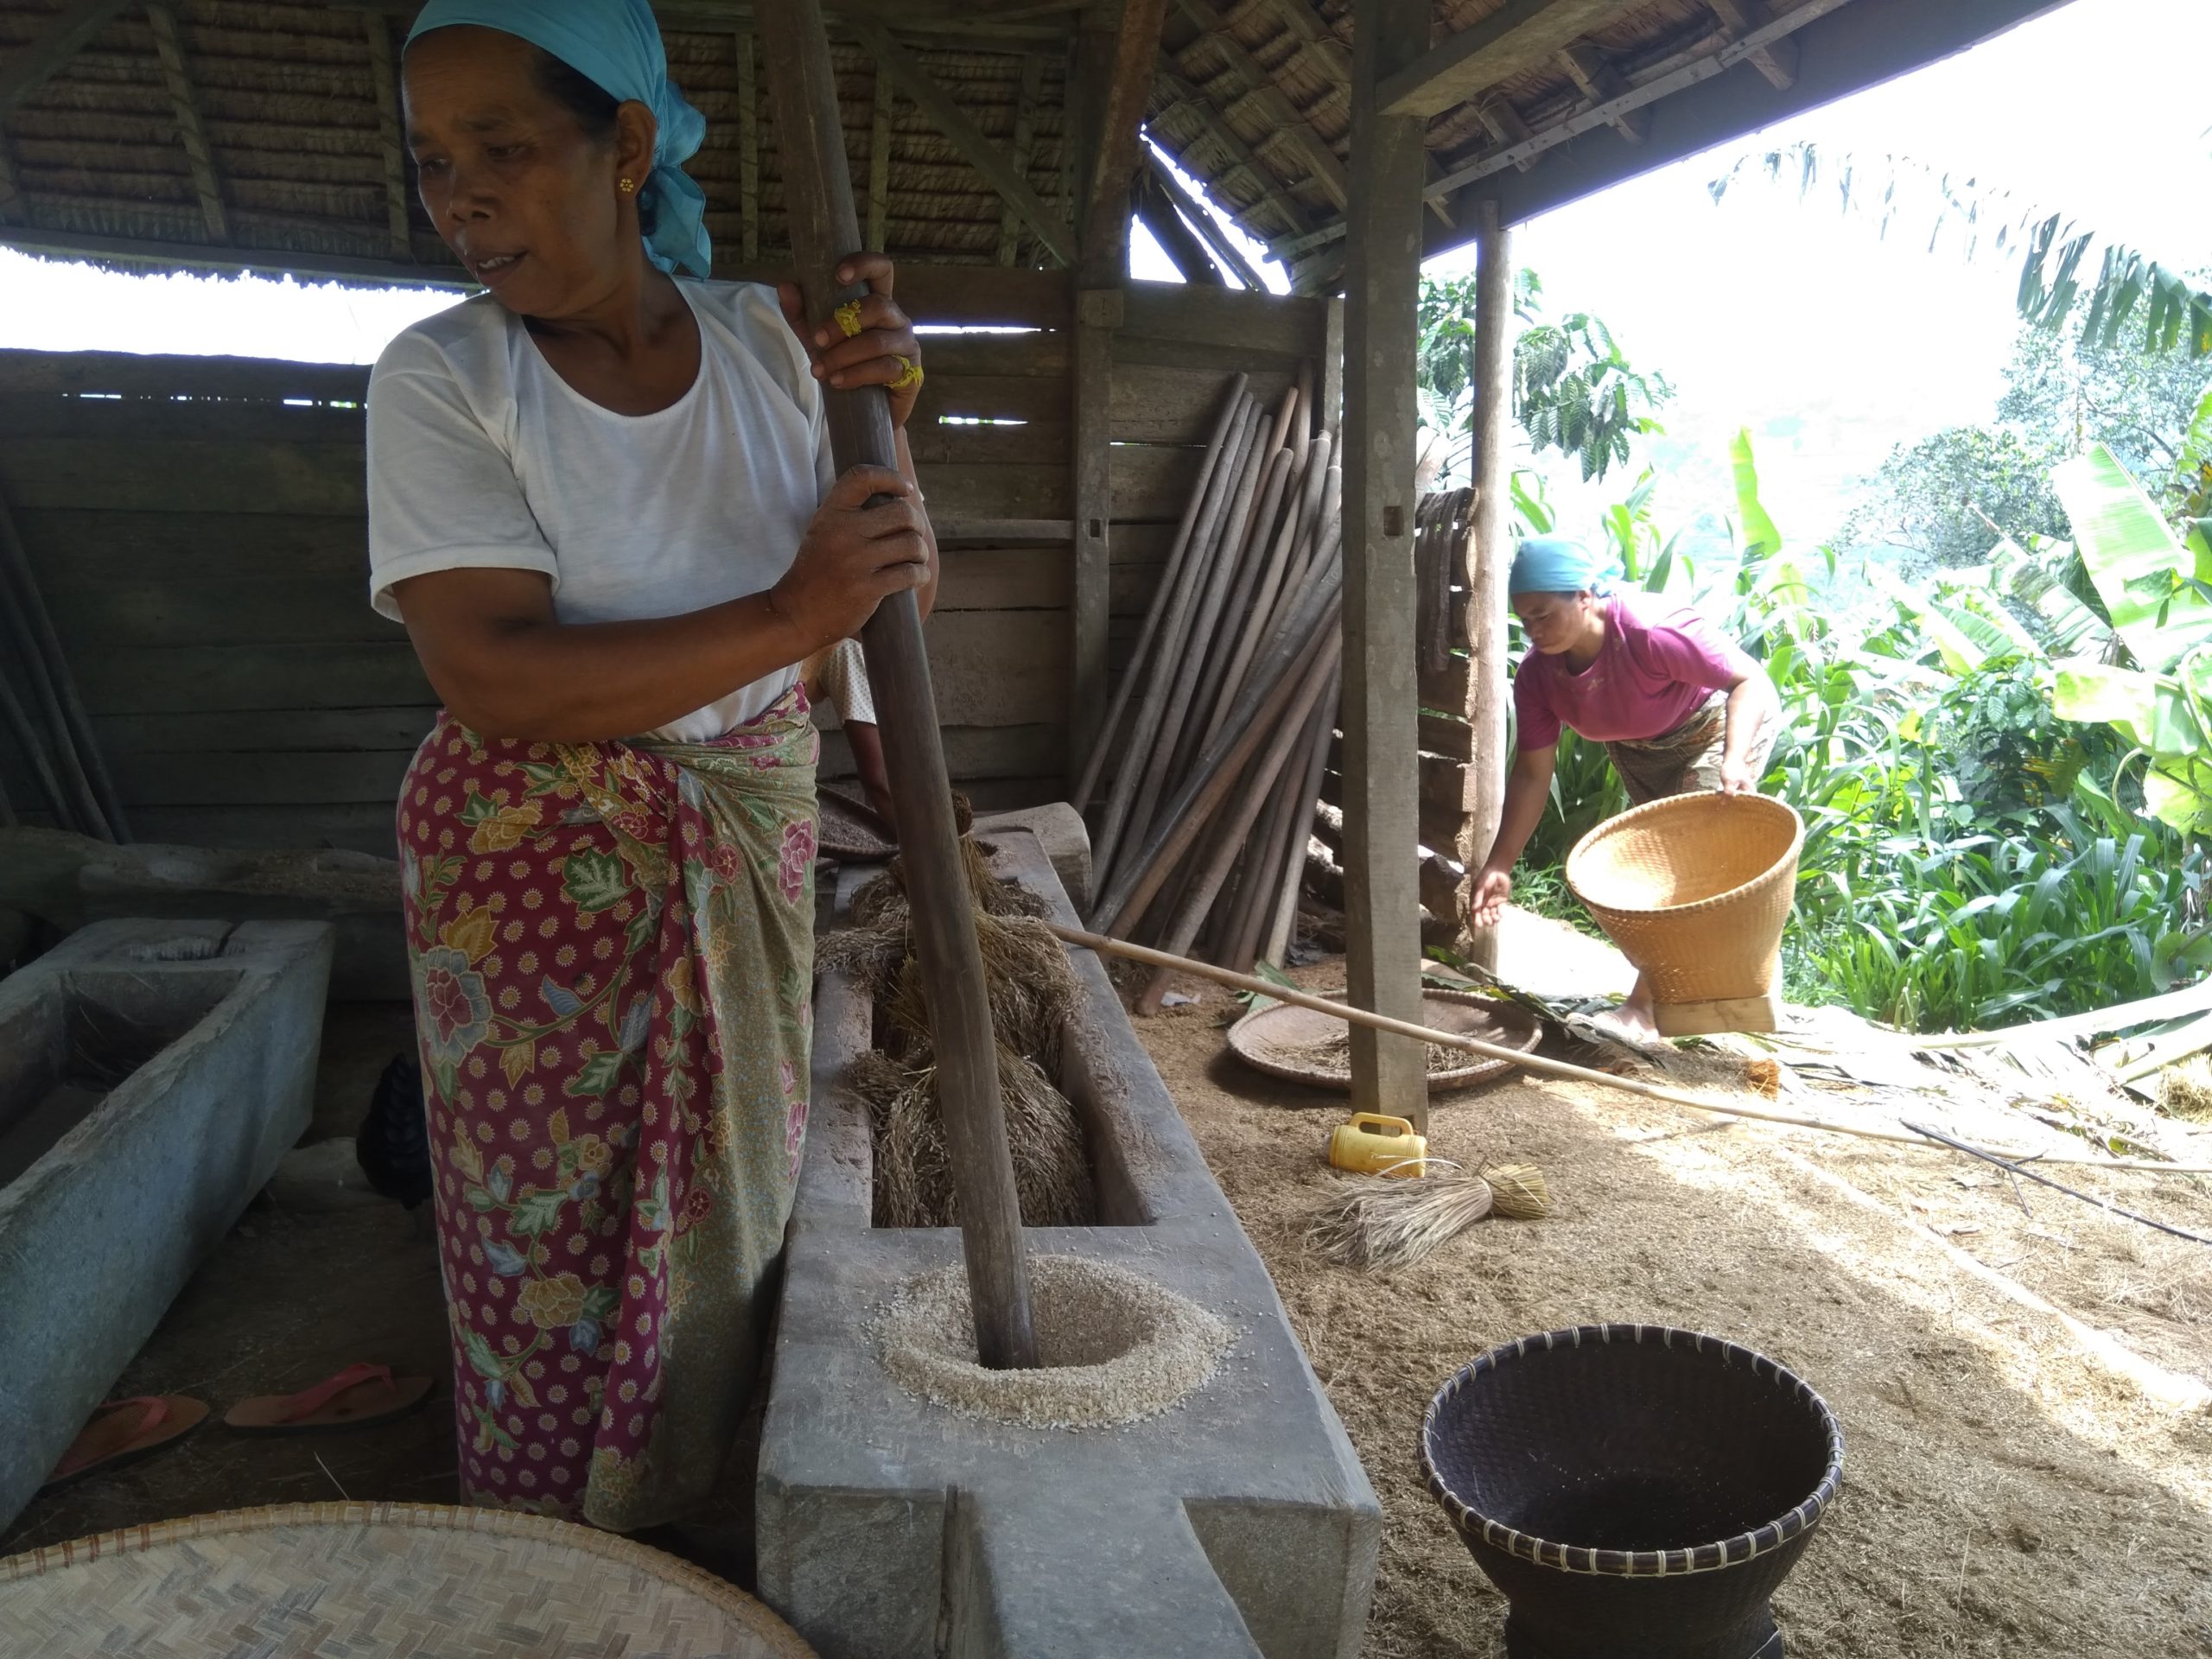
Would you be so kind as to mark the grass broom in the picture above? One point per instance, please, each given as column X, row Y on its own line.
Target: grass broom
column 1383, row 1224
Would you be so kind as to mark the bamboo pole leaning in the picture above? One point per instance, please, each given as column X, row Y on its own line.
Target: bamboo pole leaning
column 76, row 749
column 1546, row 1066
column 1157, row 778
column 1235, row 826
column 1173, row 639
column 1276, row 947
column 1186, row 815
column 1162, row 595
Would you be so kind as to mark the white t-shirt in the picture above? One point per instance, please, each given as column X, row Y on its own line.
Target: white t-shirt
column 480, row 455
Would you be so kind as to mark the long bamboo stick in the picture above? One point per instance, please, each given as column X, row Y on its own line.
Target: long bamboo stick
column 824, row 231
column 1159, row 678
column 1251, row 567
column 1548, row 1067
column 1254, row 613
column 1155, row 779
column 1163, row 595
column 18, row 721
column 1187, row 816
column 1236, row 822
column 1275, row 945
column 52, row 688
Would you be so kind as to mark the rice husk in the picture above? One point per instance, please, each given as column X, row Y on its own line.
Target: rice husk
column 2185, row 1090
column 1116, row 1347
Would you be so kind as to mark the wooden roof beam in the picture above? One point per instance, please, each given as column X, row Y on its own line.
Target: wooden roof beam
column 168, row 46
column 390, row 137
column 748, row 145
column 1778, row 61
column 1025, row 149
column 31, row 67
column 1242, row 159
column 883, row 103
column 1326, row 166
column 1329, row 57
column 1642, row 94
column 1203, row 224
column 946, row 114
column 1116, row 143
column 1521, row 35
column 1503, row 123
column 1587, row 67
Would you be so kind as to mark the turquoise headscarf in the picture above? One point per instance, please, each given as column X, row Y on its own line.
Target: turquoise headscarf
column 616, row 45
column 1559, row 564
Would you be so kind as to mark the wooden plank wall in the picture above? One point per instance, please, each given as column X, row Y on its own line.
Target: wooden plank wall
column 197, row 526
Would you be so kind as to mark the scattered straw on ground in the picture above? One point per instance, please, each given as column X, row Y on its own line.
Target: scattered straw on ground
column 1117, row 1347
column 2004, row 1497
column 1331, row 1056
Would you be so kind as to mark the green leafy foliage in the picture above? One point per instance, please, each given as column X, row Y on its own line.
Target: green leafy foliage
column 1574, row 392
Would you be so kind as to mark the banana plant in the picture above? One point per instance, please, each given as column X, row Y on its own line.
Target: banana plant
column 2158, row 593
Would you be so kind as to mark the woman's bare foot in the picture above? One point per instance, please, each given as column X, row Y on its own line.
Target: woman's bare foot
column 1633, row 1020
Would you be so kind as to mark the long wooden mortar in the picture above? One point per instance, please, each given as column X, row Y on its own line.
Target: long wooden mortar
column 1548, row 1067
column 818, row 197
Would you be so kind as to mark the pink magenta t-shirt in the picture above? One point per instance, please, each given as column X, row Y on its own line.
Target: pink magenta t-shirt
column 1651, row 675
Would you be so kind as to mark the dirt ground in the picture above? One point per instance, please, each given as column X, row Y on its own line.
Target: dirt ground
column 2005, row 1493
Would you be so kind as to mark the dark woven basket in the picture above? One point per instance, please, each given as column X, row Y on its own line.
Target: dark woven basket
column 1633, row 1489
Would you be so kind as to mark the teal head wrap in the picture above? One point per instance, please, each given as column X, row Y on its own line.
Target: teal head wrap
column 616, row 45
column 1558, row 564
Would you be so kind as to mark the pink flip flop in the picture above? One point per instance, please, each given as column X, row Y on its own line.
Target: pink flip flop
column 359, row 1396
column 123, row 1431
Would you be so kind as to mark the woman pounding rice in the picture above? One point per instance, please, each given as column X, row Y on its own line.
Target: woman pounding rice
column 1677, row 707
column 601, row 500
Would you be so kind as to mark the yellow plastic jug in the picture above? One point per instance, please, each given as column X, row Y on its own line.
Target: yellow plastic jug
column 1372, row 1144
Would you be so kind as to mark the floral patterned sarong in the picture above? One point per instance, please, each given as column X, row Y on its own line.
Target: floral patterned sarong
column 612, row 950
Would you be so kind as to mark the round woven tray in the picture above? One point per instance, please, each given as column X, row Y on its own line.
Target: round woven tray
column 1694, row 889
column 375, row 1579
column 847, row 829
column 1284, row 1041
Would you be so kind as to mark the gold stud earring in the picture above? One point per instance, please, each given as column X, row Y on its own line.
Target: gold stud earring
column 629, row 185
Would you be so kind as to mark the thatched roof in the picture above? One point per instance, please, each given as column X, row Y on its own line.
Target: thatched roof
column 219, row 131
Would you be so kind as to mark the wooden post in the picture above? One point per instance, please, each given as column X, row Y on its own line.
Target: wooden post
column 1381, row 781
column 1488, row 557
column 1115, row 83
column 748, row 147
column 818, row 197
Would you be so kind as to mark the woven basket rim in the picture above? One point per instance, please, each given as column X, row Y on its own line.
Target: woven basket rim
column 1658, row 809
column 725, row 1597
column 1479, row 1069
column 1709, row 1557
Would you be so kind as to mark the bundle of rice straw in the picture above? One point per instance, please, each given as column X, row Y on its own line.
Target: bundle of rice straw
column 1379, row 1223
column 1033, row 991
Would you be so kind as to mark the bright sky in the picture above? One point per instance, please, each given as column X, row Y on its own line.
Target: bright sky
column 1832, row 344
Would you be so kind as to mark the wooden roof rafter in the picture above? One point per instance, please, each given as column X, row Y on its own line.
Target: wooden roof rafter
column 176, row 74
column 945, row 113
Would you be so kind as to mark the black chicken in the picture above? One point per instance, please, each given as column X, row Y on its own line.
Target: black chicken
column 394, row 1144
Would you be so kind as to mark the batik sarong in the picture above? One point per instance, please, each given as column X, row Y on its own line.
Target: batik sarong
column 1687, row 759
column 612, row 949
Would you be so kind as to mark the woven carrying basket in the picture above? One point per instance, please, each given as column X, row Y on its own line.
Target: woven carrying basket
column 363, row 1580
column 1694, row 889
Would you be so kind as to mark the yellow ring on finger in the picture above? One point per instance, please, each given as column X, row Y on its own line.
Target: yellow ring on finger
column 910, row 374
column 849, row 317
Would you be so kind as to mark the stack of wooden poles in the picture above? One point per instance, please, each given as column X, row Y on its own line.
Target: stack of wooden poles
column 1220, row 728
column 57, row 743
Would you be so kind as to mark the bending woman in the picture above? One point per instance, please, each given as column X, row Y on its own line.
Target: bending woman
column 601, row 501
column 1677, row 707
